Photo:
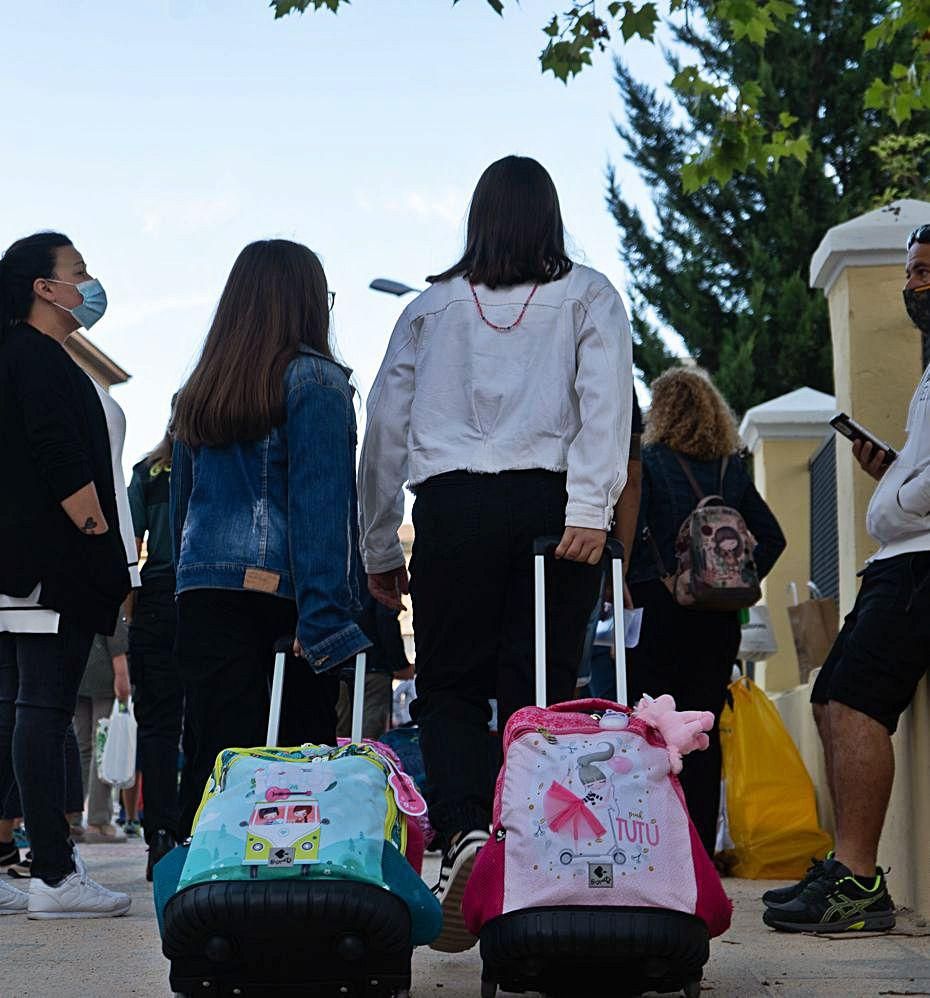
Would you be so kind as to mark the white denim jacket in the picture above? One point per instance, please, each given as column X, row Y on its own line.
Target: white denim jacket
column 453, row 394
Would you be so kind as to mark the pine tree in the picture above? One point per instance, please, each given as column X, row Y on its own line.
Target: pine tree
column 727, row 266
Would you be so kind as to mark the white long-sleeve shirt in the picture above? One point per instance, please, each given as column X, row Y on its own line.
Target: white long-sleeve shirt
column 453, row 394
column 899, row 513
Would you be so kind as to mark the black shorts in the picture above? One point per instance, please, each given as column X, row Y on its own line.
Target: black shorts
column 883, row 649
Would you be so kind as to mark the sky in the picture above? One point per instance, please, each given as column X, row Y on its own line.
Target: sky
column 162, row 137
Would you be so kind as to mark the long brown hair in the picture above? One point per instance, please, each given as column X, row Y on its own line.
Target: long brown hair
column 515, row 230
column 689, row 415
column 275, row 301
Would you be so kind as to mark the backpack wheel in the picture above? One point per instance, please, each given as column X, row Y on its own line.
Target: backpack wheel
column 488, row 989
column 692, row 989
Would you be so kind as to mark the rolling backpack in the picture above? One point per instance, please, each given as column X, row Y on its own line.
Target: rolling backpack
column 296, row 879
column 594, row 876
column 714, row 549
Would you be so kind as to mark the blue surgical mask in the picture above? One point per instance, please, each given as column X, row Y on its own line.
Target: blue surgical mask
column 92, row 307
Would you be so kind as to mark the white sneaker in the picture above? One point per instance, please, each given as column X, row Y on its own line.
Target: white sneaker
column 13, row 901
column 454, row 872
column 77, row 896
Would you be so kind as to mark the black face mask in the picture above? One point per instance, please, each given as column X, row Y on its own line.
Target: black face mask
column 917, row 303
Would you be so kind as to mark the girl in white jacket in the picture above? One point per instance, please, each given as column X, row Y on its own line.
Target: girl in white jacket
column 504, row 403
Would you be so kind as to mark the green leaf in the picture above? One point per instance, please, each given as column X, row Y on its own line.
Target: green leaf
column 876, row 96
column 640, row 21
column 898, row 71
column 786, row 120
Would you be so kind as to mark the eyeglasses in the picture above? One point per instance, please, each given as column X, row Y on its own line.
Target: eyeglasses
column 920, row 235
column 332, row 299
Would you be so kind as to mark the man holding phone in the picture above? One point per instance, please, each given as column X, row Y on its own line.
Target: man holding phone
column 873, row 670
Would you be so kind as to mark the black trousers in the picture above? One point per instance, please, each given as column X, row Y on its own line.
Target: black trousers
column 225, row 649
column 472, row 590
column 159, row 704
column 689, row 654
column 39, row 679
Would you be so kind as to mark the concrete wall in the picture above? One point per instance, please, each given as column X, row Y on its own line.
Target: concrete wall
column 783, row 477
column 876, row 367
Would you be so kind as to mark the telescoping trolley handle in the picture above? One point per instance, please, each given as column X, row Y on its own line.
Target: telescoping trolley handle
column 613, row 552
column 282, row 648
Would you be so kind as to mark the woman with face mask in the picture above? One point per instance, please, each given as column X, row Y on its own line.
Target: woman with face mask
column 64, row 570
column 263, row 511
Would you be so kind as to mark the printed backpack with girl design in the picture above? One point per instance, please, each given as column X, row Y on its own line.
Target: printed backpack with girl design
column 716, row 569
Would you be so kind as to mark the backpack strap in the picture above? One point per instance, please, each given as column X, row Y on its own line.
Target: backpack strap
column 723, row 470
column 692, row 481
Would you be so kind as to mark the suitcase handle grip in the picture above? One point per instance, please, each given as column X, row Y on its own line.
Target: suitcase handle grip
column 613, row 559
column 546, row 546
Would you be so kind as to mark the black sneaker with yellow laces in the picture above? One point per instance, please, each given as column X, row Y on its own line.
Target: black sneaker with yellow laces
column 836, row 901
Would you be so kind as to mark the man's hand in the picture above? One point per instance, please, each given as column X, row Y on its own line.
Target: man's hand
column 122, row 688
column 870, row 460
column 388, row 587
column 582, row 544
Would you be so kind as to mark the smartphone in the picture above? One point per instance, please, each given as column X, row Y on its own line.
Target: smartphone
column 855, row 431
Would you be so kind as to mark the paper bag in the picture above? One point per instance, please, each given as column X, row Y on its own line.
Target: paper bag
column 814, row 624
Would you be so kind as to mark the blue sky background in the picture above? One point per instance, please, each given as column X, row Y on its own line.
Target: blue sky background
column 164, row 136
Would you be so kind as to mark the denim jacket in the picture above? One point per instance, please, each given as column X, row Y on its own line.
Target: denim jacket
column 279, row 515
column 668, row 499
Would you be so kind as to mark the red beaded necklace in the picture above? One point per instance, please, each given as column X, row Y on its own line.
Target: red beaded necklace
column 513, row 325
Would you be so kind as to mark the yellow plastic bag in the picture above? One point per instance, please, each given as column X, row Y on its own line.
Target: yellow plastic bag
column 770, row 797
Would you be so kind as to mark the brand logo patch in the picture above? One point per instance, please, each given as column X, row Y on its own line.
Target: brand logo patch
column 282, row 857
column 600, row 874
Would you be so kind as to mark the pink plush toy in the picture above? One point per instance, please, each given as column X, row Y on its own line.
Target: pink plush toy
column 684, row 731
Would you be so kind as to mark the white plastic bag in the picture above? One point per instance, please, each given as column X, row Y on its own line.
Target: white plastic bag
column 117, row 765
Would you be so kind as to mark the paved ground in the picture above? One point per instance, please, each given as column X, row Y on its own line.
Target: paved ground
column 116, row 958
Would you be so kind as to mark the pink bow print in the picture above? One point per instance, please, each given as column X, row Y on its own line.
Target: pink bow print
column 562, row 807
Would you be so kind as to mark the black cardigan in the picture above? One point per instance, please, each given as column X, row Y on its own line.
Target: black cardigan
column 53, row 441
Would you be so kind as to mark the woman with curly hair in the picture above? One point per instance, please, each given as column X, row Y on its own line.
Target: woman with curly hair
column 686, row 651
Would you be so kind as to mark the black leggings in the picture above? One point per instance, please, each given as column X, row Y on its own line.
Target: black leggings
column 689, row 654
column 472, row 589
column 225, row 650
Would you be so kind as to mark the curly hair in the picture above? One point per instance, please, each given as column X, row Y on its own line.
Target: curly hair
column 688, row 414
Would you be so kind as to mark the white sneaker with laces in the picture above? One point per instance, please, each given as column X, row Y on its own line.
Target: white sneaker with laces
column 77, row 896
column 13, row 901
column 456, row 868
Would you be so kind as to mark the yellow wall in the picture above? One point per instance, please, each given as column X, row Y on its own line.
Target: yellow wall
column 782, row 475
column 876, row 367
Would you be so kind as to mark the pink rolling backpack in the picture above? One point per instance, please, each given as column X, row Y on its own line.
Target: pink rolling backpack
column 590, row 821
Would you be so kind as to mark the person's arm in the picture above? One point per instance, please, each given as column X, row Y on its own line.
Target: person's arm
column 181, row 486
column 383, row 468
column 321, row 511
column 117, row 647
column 139, row 513
column 598, row 456
column 46, row 395
column 392, row 642
column 914, row 494
column 626, row 513
column 770, row 541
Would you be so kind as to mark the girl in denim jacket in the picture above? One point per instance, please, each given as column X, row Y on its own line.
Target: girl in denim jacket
column 263, row 506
